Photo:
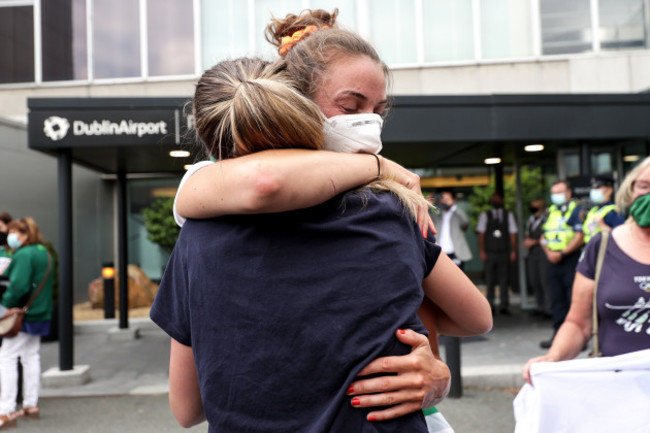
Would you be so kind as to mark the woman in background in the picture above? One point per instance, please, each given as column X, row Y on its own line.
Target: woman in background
column 622, row 302
column 30, row 267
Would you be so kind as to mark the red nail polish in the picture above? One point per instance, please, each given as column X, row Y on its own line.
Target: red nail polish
column 351, row 389
column 356, row 402
column 371, row 418
column 401, row 331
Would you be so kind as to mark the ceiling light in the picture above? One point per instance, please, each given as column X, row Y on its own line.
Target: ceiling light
column 491, row 161
column 631, row 158
column 534, row 148
column 179, row 153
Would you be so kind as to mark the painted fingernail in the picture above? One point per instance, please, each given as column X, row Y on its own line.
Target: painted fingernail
column 356, row 402
column 401, row 331
column 371, row 418
column 351, row 389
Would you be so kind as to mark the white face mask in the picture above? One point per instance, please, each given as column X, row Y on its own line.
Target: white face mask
column 13, row 241
column 596, row 195
column 352, row 133
column 558, row 199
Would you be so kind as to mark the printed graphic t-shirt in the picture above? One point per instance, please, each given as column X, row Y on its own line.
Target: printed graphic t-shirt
column 623, row 298
column 283, row 310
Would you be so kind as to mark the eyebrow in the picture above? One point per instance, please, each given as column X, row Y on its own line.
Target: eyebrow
column 360, row 96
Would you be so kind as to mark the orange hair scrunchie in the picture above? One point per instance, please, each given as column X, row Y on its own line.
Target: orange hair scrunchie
column 289, row 41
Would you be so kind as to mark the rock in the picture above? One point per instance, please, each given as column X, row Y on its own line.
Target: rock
column 142, row 290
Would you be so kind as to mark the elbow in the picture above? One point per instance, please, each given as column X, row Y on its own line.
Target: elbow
column 484, row 322
column 189, row 418
column 187, row 422
column 266, row 187
column 485, row 326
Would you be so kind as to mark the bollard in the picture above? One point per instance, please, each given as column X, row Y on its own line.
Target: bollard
column 452, row 355
column 108, row 273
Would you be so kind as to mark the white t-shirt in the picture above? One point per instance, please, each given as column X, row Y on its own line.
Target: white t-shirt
column 190, row 171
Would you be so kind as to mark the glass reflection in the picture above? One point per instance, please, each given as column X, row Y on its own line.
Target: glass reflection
column 170, row 37
column 116, row 38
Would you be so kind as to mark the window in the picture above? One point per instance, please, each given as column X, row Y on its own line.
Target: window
column 16, row 44
column 392, row 30
column 448, row 30
column 170, row 37
column 505, row 29
column 224, row 30
column 623, row 24
column 116, row 36
column 63, row 40
column 566, row 26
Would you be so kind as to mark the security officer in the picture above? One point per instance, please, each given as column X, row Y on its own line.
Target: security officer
column 562, row 241
column 497, row 244
column 603, row 215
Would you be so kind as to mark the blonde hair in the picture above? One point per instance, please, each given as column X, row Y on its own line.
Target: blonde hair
column 29, row 227
column 624, row 196
column 247, row 105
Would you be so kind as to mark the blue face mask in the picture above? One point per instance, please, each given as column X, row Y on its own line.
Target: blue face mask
column 596, row 195
column 558, row 199
column 13, row 241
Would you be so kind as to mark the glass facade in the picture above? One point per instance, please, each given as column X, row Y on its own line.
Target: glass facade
column 396, row 42
column 448, row 30
column 566, row 26
column 115, row 39
column 63, row 40
column 505, row 29
column 170, row 38
column 623, row 24
column 116, row 36
column 16, row 44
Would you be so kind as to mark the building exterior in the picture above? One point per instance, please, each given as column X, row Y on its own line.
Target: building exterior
column 436, row 49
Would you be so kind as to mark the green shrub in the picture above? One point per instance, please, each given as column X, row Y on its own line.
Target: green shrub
column 159, row 222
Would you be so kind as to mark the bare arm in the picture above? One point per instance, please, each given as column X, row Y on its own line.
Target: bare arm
column 576, row 330
column 465, row 311
column 282, row 180
column 184, row 393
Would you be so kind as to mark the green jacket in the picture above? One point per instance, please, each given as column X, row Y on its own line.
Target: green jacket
column 26, row 271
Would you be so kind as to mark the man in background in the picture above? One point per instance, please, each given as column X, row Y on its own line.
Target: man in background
column 562, row 241
column 497, row 244
column 452, row 223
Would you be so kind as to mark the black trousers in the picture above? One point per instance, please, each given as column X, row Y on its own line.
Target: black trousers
column 496, row 272
column 560, row 284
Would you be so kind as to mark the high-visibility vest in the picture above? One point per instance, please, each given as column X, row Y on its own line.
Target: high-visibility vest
column 590, row 226
column 557, row 232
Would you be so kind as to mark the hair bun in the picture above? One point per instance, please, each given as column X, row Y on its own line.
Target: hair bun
column 280, row 28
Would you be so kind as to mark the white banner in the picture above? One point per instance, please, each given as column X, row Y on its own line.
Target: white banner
column 610, row 394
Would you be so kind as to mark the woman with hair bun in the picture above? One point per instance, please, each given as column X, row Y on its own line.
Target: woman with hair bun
column 346, row 77
column 272, row 317
column 30, row 268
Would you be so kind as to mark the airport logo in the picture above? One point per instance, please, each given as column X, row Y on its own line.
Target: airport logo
column 55, row 127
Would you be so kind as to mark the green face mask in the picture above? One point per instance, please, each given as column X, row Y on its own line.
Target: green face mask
column 640, row 210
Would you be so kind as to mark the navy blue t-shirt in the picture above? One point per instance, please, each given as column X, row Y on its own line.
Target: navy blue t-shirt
column 623, row 298
column 283, row 310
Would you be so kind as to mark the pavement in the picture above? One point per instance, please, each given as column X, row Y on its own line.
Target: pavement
column 136, row 370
